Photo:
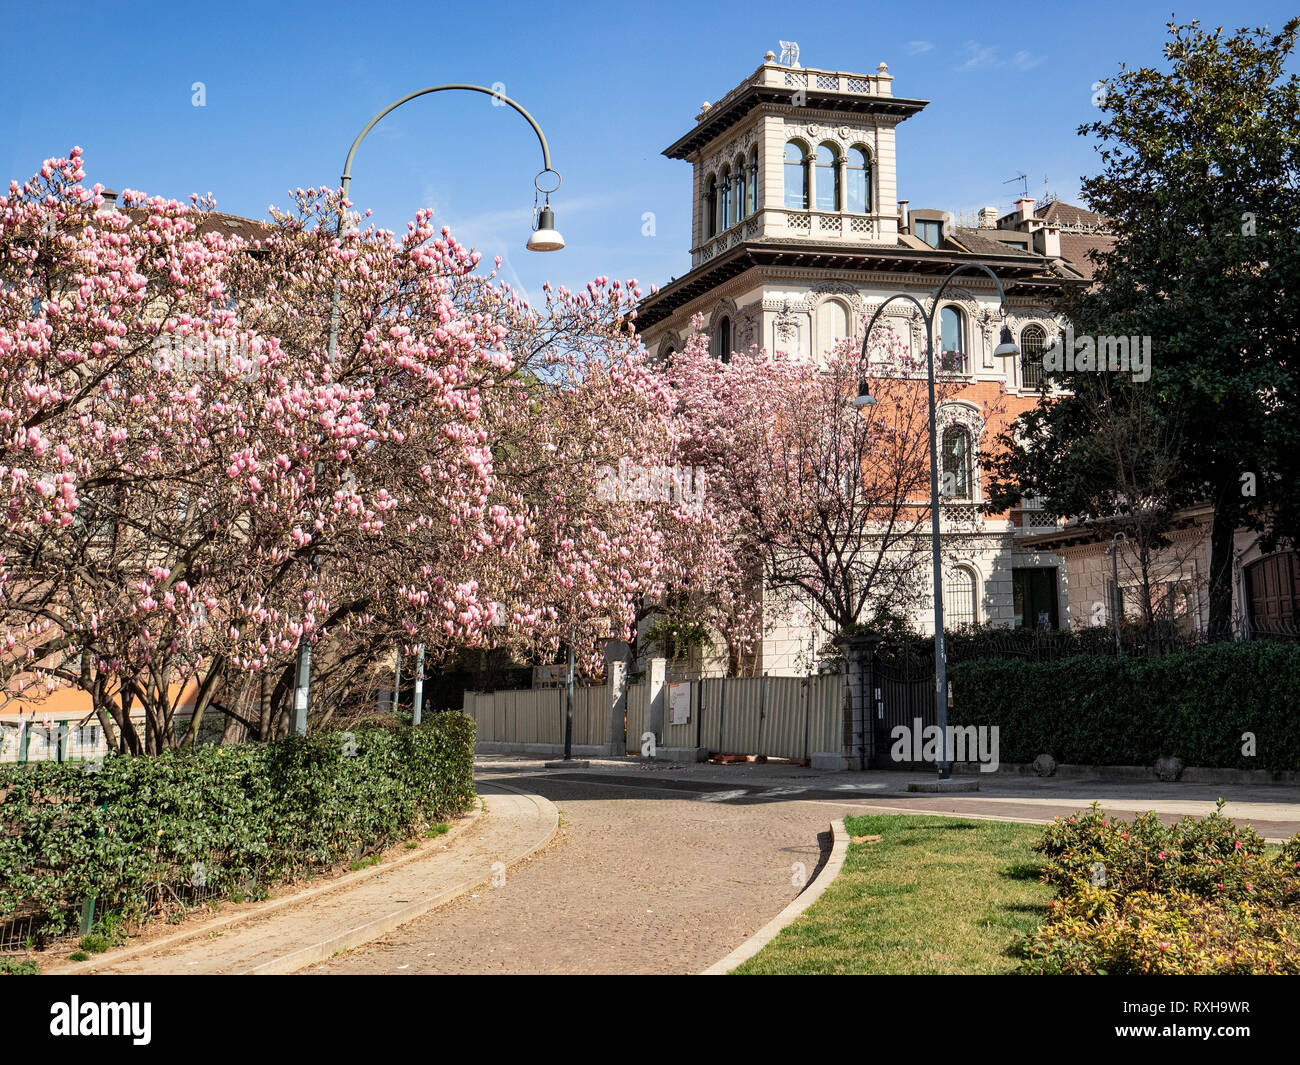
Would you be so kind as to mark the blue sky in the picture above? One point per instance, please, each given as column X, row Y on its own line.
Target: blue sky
column 288, row 86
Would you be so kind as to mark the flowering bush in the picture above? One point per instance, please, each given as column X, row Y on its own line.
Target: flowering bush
column 1200, row 896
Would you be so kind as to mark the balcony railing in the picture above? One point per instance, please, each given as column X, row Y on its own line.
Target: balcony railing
column 1030, row 518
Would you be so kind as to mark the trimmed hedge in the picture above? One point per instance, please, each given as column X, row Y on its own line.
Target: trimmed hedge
column 1089, row 710
column 131, row 832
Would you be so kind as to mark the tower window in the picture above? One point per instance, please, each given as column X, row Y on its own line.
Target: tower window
column 859, row 178
column 827, row 179
column 752, row 187
column 711, row 206
column 796, row 176
column 724, row 339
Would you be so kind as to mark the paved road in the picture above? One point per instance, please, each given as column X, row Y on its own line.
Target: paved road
column 666, row 871
column 638, row 880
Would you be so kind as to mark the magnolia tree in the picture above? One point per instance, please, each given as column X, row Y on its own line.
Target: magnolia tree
column 193, row 484
column 830, row 502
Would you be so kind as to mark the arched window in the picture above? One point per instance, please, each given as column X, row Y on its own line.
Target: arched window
column 960, row 595
column 711, row 206
column 738, row 197
column 724, row 339
column 796, row 176
column 827, row 181
column 752, row 187
column 958, row 463
column 724, row 201
column 952, row 340
column 832, row 324
column 1033, row 339
column 859, row 178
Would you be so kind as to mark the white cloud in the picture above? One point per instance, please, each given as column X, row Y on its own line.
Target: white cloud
column 978, row 56
column 918, row 47
column 1025, row 61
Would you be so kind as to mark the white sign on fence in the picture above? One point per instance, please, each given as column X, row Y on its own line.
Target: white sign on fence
column 679, row 703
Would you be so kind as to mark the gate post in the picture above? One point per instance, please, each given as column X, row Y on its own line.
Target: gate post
column 654, row 705
column 616, row 695
column 859, row 652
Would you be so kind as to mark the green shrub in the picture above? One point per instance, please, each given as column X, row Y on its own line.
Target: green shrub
column 1096, row 710
column 1202, row 896
column 147, row 835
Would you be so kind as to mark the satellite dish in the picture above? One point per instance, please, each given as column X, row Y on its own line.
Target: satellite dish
column 790, row 53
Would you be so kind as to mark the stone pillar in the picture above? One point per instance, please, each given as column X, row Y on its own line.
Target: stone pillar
column 617, row 695
column 858, row 652
column 654, row 708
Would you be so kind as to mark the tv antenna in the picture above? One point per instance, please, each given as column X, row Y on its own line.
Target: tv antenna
column 1023, row 179
column 790, row 54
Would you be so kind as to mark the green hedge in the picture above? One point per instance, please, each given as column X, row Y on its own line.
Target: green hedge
column 131, row 832
column 1093, row 710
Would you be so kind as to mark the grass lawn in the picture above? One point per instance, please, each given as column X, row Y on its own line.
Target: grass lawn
column 935, row 895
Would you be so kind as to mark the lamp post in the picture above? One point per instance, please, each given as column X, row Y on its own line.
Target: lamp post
column 1006, row 349
column 544, row 237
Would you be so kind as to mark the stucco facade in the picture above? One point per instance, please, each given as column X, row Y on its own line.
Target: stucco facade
column 798, row 236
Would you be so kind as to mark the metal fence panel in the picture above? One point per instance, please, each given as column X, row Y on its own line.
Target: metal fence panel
column 537, row 715
column 636, row 697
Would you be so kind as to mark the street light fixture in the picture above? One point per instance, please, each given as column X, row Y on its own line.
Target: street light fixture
column 544, row 237
column 1006, row 348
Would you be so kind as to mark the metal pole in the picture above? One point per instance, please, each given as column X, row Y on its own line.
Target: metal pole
column 303, row 691
column 1117, row 601
column 568, row 707
column 302, row 687
column 417, row 704
column 397, row 681
column 940, row 653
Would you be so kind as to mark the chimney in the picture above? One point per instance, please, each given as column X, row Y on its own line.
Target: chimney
column 1047, row 241
column 1025, row 207
column 902, row 216
column 988, row 218
column 109, row 206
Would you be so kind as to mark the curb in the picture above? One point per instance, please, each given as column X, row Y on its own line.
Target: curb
column 344, row 940
column 809, row 895
column 355, row 937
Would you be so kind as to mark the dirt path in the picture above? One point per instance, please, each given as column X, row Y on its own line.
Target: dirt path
column 638, row 880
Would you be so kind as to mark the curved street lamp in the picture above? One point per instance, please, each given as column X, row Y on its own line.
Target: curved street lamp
column 1006, row 348
column 544, row 237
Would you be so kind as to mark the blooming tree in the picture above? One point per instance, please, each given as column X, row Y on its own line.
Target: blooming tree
column 831, row 502
column 194, row 484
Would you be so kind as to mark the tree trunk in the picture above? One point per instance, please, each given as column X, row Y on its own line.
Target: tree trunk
column 1221, row 545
